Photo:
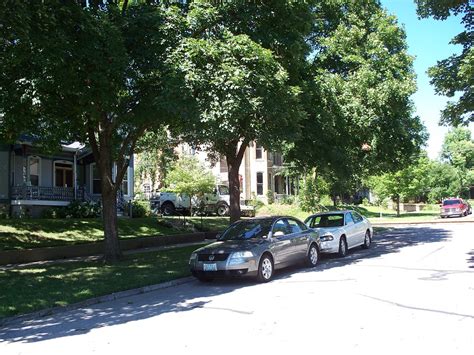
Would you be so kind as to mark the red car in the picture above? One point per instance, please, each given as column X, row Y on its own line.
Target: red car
column 455, row 207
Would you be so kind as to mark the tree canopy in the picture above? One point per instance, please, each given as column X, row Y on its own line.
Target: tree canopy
column 242, row 91
column 99, row 75
column 357, row 94
column 454, row 76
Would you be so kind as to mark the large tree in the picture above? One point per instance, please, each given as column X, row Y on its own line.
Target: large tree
column 454, row 76
column 357, row 96
column 98, row 75
column 458, row 151
column 242, row 91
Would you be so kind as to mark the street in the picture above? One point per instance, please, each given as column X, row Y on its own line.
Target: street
column 412, row 292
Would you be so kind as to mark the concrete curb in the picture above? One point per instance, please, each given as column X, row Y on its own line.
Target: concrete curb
column 93, row 301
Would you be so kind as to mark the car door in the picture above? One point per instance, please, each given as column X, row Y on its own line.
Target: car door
column 299, row 238
column 351, row 230
column 359, row 227
column 281, row 248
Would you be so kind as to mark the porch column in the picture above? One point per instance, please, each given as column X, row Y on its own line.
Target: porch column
column 74, row 175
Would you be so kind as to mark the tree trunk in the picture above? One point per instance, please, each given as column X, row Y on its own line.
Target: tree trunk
column 109, row 215
column 398, row 206
column 234, row 188
column 234, row 156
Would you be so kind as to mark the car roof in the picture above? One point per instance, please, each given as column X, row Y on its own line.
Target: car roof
column 269, row 218
column 331, row 212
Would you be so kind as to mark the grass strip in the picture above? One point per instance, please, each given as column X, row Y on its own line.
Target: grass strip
column 35, row 287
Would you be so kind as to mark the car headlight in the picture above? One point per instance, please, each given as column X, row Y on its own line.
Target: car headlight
column 240, row 257
column 327, row 238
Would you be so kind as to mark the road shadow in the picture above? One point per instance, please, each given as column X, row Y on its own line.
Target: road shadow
column 470, row 259
column 386, row 242
column 194, row 295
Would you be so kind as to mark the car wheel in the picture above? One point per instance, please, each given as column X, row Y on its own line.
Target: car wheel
column 313, row 256
column 167, row 209
column 265, row 269
column 222, row 210
column 342, row 247
column 367, row 240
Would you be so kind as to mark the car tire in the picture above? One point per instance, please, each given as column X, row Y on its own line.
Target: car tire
column 222, row 210
column 313, row 256
column 342, row 247
column 367, row 240
column 167, row 209
column 265, row 268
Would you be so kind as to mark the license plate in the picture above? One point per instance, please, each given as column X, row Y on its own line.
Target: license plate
column 210, row 267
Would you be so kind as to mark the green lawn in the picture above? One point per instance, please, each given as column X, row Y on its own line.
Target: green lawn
column 37, row 233
column 41, row 286
column 371, row 212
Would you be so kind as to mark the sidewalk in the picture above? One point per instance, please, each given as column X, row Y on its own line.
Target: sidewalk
column 467, row 219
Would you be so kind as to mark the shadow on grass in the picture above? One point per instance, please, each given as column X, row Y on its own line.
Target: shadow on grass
column 187, row 297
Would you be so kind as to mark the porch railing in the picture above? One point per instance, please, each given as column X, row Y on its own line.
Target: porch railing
column 45, row 193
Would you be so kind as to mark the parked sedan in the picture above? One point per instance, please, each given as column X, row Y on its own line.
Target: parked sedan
column 341, row 230
column 256, row 247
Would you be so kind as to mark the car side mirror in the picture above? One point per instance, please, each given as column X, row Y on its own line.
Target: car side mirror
column 218, row 236
column 350, row 223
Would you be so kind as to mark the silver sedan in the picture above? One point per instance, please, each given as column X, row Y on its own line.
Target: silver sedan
column 341, row 230
column 256, row 247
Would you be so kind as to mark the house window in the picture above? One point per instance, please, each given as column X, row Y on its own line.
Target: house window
column 96, row 187
column 34, row 170
column 63, row 176
column 223, row 165
column 125, row 183
column 258, row 152
column 146, row 188
column 260, row 184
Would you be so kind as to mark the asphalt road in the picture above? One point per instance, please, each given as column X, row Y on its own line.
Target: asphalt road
column 412, row 292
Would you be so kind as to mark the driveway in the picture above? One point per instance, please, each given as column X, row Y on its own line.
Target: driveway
column 412, row 292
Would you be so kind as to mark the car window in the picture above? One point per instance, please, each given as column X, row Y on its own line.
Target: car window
column 281, row 226
column 356, row 217
column 223, row 190
column 451, row 202
column 246, row 230
column 328, row 221
column 349, row 218
column 294, row 226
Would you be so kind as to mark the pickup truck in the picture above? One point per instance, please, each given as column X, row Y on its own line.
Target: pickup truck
column 454, row 207
column 217, row 202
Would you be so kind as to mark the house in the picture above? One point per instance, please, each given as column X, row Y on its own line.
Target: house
column 261, row 173
column 31, row 181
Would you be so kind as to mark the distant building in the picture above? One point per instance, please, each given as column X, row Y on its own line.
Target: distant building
column 261, row 172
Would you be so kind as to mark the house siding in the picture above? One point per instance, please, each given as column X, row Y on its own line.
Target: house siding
column 46, row 172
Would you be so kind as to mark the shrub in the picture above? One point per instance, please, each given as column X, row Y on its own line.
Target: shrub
column 140, row 208
column 54, row 212
column 270, row 197
column 4, row 211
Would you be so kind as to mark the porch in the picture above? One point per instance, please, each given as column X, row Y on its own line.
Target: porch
column 35, row 194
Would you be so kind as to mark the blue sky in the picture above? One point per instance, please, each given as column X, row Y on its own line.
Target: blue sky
column 428, row 41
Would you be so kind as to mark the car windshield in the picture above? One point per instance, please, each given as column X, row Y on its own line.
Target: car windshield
column 328, row 221
column 243, row 230
column 451, row 202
